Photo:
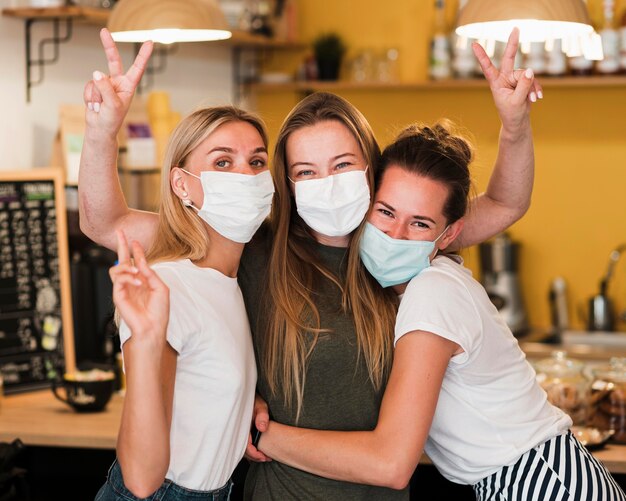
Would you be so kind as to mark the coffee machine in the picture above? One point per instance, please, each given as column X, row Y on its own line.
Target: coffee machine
column 499, row 265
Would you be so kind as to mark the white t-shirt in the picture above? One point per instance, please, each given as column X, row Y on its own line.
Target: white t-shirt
column 215, row 374
column 491, row 409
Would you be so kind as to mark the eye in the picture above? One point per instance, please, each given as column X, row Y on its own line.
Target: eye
column 342, row 165
column 384, row 212
column 258, row 163
column 420, row 225
column 305, row 173
column 223, row 164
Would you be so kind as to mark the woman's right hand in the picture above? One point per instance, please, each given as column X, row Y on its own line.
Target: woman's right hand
column 139, row 294
column 108, row 98
column 260, row 419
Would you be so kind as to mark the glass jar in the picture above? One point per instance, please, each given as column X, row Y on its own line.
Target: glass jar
column 565, row 383
column 608, row 399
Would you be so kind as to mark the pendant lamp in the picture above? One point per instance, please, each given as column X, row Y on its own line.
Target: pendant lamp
column 167, row 21
column 538, row 21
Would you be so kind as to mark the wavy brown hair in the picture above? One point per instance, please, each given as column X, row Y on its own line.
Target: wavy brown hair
column 180, row 233
column 293, row 321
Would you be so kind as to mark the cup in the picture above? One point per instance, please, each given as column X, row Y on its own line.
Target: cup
column 85, row 391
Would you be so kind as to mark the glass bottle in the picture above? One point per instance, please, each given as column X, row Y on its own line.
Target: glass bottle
column 622, row 36
column 464, row 62
column 610, row 41
column 440, row 63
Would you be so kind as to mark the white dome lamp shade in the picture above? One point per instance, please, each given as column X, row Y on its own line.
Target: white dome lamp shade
column 538, row 20
column 168, row 21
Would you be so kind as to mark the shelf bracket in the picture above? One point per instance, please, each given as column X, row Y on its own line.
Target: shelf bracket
column 55, row 40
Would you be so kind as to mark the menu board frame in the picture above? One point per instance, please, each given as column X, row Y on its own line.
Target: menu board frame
column 57, row 177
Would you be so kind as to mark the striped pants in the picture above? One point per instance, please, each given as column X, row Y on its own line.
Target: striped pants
column 560, row 469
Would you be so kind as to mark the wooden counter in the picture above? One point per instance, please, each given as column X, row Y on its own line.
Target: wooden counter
column 41, row 420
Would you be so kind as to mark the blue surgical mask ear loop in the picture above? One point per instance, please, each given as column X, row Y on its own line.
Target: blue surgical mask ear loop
column 440, row 235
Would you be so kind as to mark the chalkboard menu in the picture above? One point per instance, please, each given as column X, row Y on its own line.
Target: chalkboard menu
column 36, row 338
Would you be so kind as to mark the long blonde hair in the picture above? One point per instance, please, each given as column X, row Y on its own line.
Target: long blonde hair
column 293, row 322
column 180, row 233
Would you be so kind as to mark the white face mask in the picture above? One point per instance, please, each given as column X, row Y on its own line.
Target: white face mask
column 234, row 204
column 334, row 205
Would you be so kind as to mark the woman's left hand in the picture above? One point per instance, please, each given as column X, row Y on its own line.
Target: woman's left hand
column 139, row 294
column 513, row 90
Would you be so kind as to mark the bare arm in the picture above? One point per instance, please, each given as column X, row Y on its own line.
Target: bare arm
column 387, row 455
column 143, row 445
column 508, row 193
column 102, row 206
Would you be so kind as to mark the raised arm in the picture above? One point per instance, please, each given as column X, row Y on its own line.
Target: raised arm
column 508, row 193
column 388, row 455
column 102, row 206
column 143, row 446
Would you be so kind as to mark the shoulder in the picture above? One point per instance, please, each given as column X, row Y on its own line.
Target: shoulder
column 445, row 276
column 441, row 300
column 173, row 273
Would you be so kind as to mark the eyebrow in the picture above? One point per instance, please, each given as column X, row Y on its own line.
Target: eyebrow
column 333, row 159
column 425, row 218
column 226, row 149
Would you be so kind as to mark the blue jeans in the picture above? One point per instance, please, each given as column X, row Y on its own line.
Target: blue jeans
column 115, row 490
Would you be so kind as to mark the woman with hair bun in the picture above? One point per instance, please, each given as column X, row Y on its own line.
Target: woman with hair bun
column 460, row 387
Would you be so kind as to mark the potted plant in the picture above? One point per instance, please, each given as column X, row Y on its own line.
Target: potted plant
column 329, row 50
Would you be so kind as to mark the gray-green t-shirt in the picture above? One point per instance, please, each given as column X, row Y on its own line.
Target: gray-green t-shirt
column 338, row 394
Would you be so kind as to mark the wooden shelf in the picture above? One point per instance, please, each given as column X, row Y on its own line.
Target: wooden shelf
column 100, row 17
column 84, row 14
column 547, row 82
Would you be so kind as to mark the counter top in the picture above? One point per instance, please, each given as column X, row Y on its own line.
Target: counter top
column 38, row 418
column 41, row 420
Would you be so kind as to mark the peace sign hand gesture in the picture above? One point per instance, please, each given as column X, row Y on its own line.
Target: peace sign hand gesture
column 108, row 97
column 139, row 294
column 513, row 90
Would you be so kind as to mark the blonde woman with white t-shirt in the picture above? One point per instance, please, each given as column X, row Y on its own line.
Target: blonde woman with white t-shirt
column 190, row 381
column 460, row 387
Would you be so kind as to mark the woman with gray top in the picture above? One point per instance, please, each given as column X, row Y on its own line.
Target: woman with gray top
column 323, row 355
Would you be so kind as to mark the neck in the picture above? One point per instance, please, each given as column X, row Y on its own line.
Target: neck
column 223, row 254
column 343, row 241
column 400, row 288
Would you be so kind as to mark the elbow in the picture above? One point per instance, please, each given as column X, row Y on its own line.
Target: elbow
column 523, row 209
column 141, row 488
column 142, row 479
column 395, row 473
column 399, row 478
column 83, row 217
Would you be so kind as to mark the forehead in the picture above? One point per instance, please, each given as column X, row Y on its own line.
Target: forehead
column 237, row 135
column 411, row 192
column 320, row 141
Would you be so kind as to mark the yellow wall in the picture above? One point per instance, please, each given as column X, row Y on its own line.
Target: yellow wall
column 578, row 213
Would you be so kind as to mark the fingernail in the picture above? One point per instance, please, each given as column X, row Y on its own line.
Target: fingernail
column 529, row 73
column 90, row 107
column 137, row 281
column 97, row 75
column 96, row 107
column 533, row 97
column 540, row 95
column 134, row 270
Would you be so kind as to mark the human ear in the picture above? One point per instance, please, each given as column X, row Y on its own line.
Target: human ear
column 452, row 233
column 178, row 183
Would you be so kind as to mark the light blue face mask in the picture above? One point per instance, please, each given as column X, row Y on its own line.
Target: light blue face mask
column 392, row 261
